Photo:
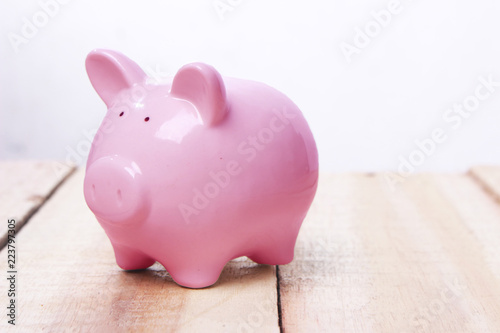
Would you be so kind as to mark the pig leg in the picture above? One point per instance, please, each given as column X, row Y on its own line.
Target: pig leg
column 275, row 252
column 130, row 259
column 196, row 276
column 273, row 256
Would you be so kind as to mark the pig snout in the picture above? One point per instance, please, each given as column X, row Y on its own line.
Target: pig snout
column 115, row 191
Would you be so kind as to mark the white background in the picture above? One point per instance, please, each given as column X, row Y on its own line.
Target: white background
column 365, row 114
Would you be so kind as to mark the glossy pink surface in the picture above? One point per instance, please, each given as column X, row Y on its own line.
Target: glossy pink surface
column 197, row 172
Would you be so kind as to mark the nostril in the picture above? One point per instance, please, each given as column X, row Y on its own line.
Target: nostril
column 119, row 197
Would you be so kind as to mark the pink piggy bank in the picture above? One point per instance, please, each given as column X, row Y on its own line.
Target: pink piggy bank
column 198, row 171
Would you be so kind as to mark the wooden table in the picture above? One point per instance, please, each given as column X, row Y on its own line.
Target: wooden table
column 421, row 257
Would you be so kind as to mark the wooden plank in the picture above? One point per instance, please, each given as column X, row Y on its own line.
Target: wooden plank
column 24, row 187
column 68, row 280
column 489, row 178
column 421, row 258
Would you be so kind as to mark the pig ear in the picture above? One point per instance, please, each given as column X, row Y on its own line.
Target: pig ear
column 202, row 85
column 110, row 72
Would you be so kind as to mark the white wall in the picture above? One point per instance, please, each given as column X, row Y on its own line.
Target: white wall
column 365, row 114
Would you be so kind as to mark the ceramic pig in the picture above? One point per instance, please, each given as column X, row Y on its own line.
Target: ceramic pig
column 198, row 171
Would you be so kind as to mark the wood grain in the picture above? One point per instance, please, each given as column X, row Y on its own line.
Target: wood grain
column 424, row 257
column 489, row 178
column 24, row 187
column 68, row 281
column 421, row 258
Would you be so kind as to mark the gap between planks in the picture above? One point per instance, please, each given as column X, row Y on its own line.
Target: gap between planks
column 292, row 283
column 370, row 259
column 70, row 281
column 488, row 177
column 25, row 186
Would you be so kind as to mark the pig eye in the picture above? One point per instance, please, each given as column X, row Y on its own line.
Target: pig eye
column 146, row 119
column 121, row 114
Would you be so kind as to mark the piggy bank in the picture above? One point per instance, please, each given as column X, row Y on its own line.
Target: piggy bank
column 198, row 170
